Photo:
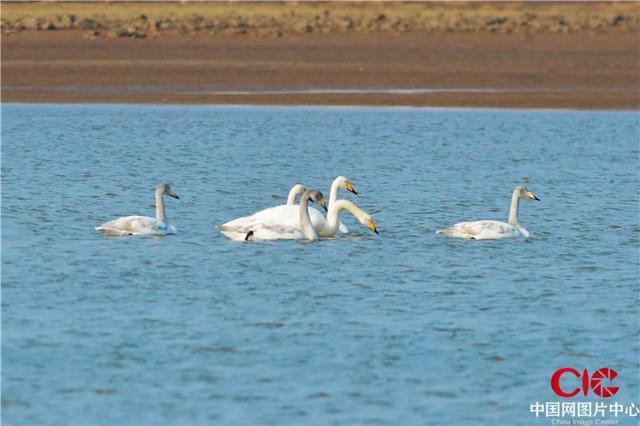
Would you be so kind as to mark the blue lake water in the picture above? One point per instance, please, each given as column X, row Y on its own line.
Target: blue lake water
column 405, row 328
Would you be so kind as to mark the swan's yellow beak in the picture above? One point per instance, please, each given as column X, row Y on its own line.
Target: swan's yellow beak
column 372, row 226
column 349, row 187
column 530, row 195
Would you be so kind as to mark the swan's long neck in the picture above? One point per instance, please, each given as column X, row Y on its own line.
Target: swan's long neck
column 335, row 207
column 291, row 199
column 161, row 214
column 513, row 211
column 333, row 192
column 305, row 221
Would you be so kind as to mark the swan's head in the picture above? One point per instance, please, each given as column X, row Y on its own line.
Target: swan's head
column 368, row 221
column 315, row 195
column 343, row 182
column 164, row 188
column 525, row 193
column 362, row 216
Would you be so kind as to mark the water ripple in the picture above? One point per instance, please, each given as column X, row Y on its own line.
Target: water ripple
column 401, row 328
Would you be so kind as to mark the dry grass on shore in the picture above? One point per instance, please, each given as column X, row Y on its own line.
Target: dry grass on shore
column 139, row 19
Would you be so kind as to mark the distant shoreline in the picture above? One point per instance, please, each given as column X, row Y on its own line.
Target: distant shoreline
column 353, row 97
column 295, row 18
column 320, row 107
column 591, row 61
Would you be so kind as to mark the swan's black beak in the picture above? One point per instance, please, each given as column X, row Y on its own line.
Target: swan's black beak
column 376, row 231
column 324, row 205
column 349, row 187
column 174, row 195
column 536, row 198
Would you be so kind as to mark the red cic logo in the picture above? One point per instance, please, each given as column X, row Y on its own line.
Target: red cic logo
column 593, row 382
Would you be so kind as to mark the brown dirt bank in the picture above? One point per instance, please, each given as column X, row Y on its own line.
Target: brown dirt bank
column 277, row 19
column 599, row 71
column 547, row 54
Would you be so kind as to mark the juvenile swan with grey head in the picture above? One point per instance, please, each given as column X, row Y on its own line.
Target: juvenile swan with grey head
column 143, row 225
column 492, row 229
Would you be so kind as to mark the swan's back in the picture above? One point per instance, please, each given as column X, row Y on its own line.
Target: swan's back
column 285, row 215
column 267, row 215
column 261, row 231
column 135, row 225
column 481, row 230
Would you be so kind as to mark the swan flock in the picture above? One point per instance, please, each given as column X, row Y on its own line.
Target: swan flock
column 301, row 221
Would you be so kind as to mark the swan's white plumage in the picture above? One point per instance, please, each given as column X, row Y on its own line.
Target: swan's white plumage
column 285, row 215
column 136, row 225
column 484, row 230
column 261, row 232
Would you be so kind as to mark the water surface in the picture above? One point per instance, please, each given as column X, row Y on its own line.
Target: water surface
column 402, row 328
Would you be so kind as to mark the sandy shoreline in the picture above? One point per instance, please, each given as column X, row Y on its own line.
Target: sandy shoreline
column 583, row 69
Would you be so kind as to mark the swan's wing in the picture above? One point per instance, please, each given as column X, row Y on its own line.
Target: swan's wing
column 480, row 230
column 270, row 231
column 342, row 228
column 289, row 216
column 112, row 232
column 284, row 214
column 135, row 225
column 261, row 231
column 492, row 229
column 275, row 215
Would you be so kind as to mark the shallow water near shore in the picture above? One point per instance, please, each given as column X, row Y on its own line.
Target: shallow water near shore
column 402, row 328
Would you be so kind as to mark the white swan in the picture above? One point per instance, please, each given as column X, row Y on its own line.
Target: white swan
column 143, row 225
column 257, row 229
column 339, row 182
column 493, row 229
column 289, row 216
